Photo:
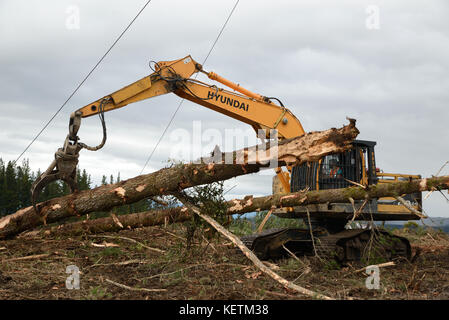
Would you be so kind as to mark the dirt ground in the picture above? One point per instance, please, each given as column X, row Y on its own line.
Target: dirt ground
column 153, row 263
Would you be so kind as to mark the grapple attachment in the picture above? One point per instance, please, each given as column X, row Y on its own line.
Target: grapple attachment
column 66, row 158
column 64, row 165
column 62, row 168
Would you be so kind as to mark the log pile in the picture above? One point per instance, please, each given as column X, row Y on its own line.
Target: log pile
column 309, row 147
column 249, row 204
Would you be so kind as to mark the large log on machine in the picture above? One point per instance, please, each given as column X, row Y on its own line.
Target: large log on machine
column 308, row 147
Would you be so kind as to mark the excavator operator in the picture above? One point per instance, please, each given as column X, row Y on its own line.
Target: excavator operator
column 336, row 171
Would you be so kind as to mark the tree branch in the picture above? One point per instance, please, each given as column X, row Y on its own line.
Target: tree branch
column 248, row 253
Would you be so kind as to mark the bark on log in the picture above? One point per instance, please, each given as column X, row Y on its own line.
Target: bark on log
column 250, row 204
column 311, row 146
column 107, row 224
column 301, row 198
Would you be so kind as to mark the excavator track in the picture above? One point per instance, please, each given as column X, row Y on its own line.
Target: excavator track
column 344, row 246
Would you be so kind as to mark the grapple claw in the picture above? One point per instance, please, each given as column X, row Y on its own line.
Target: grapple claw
column 43, row 180
column 62, row 168
column 66, row 158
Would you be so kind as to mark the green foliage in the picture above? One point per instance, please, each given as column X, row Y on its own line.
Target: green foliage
column 210, row 199
column 276, row 222
column 112, row 251
column 16, row 181
column 242, row 226
column 331, row 264
column 292, row 264
column 379, row 248
column 245, row 226
column 98, row 292
column 414, row 228
column 411, row 225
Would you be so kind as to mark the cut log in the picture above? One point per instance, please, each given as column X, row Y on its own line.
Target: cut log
column 107, row 224
column 251, row 204
column 308, row 147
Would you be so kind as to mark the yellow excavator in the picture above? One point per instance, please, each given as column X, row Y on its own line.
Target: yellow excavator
column 327, row 221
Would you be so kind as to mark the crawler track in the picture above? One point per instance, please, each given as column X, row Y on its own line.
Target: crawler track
column 344, row 246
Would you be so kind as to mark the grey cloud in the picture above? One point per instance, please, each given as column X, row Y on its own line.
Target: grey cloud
column 317, row 57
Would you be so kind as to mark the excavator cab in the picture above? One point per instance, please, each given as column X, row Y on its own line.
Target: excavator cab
column 328, row 221
column 336, row 171
column 356, row 166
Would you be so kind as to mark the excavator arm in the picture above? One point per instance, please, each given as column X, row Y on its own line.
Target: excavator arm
column 173, row 77
column 162, row 81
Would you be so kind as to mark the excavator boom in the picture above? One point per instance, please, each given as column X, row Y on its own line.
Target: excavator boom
column 173, row 77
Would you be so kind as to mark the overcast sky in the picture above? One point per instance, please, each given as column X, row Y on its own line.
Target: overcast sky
column 324, row 59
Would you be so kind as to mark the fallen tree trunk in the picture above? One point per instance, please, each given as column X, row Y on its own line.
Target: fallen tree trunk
column 298, row 150
column 344, row 195
column 110, row 224
column 251, row 204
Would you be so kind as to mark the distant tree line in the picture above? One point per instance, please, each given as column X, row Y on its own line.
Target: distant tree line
column 16, row 181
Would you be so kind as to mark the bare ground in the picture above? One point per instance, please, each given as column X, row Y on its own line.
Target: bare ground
column 35, row 268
